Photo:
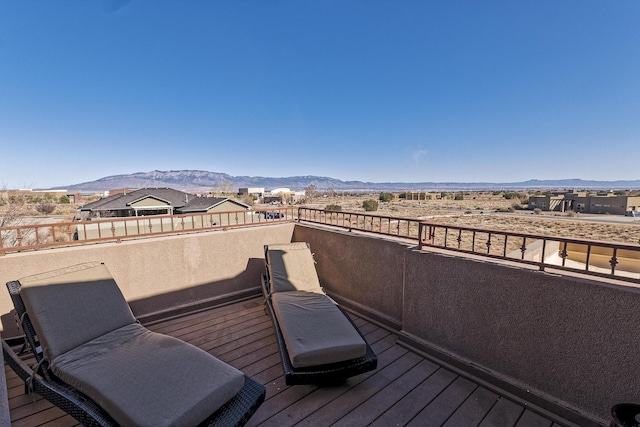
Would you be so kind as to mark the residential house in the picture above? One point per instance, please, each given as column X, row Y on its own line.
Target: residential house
column 157, row 201
column 581, row 202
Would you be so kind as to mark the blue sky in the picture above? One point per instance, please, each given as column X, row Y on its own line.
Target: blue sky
column 381, row 91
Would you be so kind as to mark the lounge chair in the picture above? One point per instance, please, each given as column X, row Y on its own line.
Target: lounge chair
column 318, row 341
column 95, row 361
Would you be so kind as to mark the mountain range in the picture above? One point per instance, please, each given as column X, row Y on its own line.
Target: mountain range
column 203, row 181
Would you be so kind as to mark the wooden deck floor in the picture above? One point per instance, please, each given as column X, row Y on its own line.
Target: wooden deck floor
column 406, row 389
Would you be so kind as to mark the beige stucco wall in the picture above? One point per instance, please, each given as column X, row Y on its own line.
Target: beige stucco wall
column 163, row 273
column 227, row 206
column 150, row 202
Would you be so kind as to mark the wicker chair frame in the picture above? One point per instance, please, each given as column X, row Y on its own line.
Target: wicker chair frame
column 40, row 379
column 328, row 374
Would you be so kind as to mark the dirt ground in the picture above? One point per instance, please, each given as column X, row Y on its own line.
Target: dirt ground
column 488, row 211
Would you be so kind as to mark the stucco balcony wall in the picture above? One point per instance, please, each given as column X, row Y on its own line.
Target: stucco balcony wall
column 162, row 275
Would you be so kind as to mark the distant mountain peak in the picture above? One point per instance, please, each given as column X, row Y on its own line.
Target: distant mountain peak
column 196, row 181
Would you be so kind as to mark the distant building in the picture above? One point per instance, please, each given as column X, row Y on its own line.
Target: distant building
column 257, row 192
column 34, row 193
column 213, row 204
column 604, row 203
column 157, row 201
column 420, row 195
column 280, row 195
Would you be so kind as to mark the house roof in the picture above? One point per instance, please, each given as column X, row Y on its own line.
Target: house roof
column 172, row 197
column 203, row 204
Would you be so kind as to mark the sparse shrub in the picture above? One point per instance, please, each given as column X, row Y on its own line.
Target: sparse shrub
column 64, row 200
column 370, row 205
column 572, row 214
column 537, row 211
column 386, row 197
column 458, row 196
column 336, row 208
column 467, row 212
column 511, row 195
column 248, row 199
column 46, row 208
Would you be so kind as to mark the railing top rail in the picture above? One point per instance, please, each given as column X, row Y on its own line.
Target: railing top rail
column 618, row 245
column 509, row 246
column 14, row 238
column 398, row 218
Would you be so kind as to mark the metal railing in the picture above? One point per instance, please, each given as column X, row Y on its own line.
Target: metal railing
column 603, row 259
column 38, row 236
column 407, row 228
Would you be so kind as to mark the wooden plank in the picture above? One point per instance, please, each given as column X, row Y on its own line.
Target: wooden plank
column 398, row 361
column 38, row 418
column 532, row 419
column 28, row 407
column 211, row 341
column 266, row 364
column 447, row 402
column 203, row 332
column 380, row 336
column 474, row 409
column 504, row 413
column 371, row 409
column 211, row 317
column 271, row 347
column 412, row 403
column 239, row 340
column 320, row 397
column 66, row 421
column 279, row 402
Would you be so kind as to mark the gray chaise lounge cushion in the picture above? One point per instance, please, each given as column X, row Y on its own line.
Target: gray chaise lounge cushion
column 94, row 343
column 314, row 329
column 292, row 268
column 142, row 378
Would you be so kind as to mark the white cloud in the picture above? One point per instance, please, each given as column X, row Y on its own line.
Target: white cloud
column 419, row 155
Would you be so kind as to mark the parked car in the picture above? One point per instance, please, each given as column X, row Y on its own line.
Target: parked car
column 272, row 215
column 633, row 213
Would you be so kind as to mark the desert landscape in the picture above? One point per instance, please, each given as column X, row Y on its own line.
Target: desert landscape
column 494, row 212
column 484, row 210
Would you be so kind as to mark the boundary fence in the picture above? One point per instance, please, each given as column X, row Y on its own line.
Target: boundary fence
column 594, row 258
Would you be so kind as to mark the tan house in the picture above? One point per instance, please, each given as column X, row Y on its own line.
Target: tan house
column 157, row 201
column 580, row 202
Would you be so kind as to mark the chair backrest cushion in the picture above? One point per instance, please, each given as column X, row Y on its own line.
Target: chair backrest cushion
column 71, row 306
column 292, row 268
